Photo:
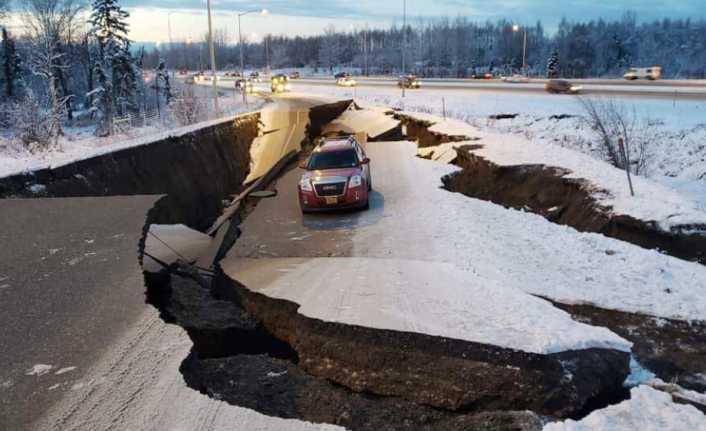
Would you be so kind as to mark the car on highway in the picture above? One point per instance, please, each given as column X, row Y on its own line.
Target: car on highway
column 337, row 177
column 255, row 77
column 561, row 86
column 650, row 73
column 280, row 84
column 516, row 79
column 408, row 81
column 340, row 75
column 294, row 75
column 346, row 81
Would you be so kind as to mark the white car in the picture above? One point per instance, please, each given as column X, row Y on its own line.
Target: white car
column 516, row 79
column 346, row 81
column 651, row 73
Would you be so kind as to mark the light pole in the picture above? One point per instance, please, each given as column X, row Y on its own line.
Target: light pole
column 240, row 37
column 516, row 28
column 169, row 28
column 404, row 42
column 242, row 57
column 213, row 60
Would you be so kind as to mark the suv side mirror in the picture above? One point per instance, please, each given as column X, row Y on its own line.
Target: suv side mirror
column 365, row 161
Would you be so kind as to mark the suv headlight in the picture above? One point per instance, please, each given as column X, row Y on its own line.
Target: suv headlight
column 305, row 185
column 355, row 181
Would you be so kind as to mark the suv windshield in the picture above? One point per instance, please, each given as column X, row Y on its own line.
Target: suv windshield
column 333, row 160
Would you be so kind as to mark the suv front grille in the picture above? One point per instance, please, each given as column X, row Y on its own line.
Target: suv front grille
column 330, row 189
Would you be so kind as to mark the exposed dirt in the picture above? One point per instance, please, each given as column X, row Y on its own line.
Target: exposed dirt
column 543, row 190
column 237, row 360
column 196, row 171
column 674, row 350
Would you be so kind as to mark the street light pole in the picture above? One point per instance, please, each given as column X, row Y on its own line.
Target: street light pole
column 213, row 60
column 515, row 29
column 524, row 54
column 242, row 56
column 404, row 41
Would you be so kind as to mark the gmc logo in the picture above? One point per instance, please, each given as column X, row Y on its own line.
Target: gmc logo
column 329, row 187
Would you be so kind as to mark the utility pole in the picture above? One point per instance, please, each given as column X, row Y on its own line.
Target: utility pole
column 524, row 54
column 404, row 42
column 267, row 54
column 365, row 49
column 213, row 60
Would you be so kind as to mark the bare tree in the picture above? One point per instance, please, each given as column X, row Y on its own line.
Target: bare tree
column 49, row 23
column 612, row 121
column 186, row 107
column 32, row 124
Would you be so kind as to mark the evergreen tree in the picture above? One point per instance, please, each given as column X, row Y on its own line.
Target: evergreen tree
column 102, row 97
column 110, row 29
column 553, row 65
column 11, row 64
column 163, row 76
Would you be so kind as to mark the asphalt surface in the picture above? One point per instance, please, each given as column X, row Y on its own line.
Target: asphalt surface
column 70, row 284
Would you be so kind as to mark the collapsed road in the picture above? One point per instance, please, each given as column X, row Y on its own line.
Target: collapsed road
column 364, row 319
column 417, row 314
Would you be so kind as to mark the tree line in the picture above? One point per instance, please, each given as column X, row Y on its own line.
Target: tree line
column 459, row 47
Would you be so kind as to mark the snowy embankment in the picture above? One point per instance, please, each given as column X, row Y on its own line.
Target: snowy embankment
column 646, row 410
column 652, row 201
column 81, row 144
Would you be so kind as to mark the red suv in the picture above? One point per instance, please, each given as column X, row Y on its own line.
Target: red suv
column 337, row 177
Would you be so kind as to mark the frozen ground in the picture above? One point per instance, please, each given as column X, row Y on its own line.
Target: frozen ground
column 653, row 201
column 518, row 249
column 678, row 151
column 80, row 143
column 646, row 410
column 674, row 193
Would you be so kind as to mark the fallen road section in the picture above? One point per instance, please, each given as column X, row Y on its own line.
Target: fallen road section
column 430, row 333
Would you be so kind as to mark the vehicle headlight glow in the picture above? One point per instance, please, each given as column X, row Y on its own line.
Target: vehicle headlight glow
column 305, row 184
column 288, row 87
column 355, row 181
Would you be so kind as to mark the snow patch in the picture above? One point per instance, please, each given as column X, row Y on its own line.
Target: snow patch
column 646, row 410
column 39, row 370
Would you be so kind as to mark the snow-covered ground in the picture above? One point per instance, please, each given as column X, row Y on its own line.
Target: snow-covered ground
column 137, row 385
column 80, row 143
column 517, row 249
column 420, row 296
column 646, row 410
column 679, row 126
column 674, row 193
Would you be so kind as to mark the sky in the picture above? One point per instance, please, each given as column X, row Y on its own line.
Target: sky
column 149, row 18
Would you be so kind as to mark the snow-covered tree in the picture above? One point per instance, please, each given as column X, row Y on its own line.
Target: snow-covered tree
column 102, row 96
column 49, row 24
column 162, row 76
column 553, row 65
column 11, row 64
column 110, row 29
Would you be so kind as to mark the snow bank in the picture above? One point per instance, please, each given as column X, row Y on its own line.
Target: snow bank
column 646, row 410
column 652, row 201
column 81, row 144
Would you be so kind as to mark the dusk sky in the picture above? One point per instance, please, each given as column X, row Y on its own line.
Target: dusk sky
column 188, row 17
